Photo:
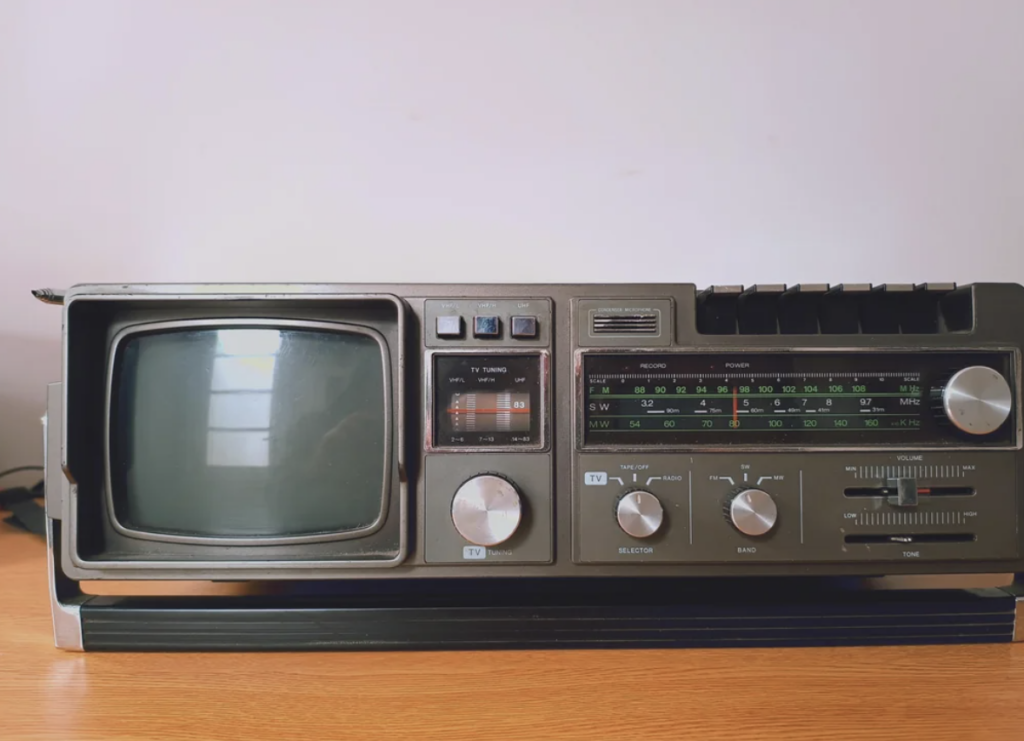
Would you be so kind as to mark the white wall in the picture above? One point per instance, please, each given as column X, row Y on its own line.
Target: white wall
column 497, row 140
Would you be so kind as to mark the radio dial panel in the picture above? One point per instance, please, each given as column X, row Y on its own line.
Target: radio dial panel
column 772, row 399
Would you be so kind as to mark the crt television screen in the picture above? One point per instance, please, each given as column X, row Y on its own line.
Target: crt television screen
column 248, row 432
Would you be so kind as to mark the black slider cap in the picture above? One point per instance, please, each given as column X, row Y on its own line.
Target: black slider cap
column 906, row 491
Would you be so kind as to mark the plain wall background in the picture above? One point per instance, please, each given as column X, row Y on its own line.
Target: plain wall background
column 705, row 141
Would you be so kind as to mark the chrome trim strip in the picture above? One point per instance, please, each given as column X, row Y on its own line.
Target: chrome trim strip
column 66, row 613
column 337, row 327
column 53, row 423
column 543, row 357
column 65, row 609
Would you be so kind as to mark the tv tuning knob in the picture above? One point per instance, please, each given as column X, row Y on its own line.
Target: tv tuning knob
column 976, row 400
column 752, row 511
column 639, row 513
column 487, row 509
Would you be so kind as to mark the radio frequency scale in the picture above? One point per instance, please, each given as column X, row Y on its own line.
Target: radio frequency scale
column 778, row 398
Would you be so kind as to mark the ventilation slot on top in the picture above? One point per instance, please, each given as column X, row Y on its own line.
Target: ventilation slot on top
column 927, row 308
column 625, row 324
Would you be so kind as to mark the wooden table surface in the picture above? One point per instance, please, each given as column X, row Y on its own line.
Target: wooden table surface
column 941, row 692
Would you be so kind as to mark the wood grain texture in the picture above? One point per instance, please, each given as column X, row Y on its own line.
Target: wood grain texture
column 935, row 693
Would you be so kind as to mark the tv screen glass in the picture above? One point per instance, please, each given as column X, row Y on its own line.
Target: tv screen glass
column 242, row 432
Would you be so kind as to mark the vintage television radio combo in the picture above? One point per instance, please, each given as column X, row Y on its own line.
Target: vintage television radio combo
column 536, row 465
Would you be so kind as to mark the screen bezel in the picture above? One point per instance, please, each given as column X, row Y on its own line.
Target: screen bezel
column 147, row 328
column 579, row 400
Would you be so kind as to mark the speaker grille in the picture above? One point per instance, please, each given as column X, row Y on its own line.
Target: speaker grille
column 625, row 324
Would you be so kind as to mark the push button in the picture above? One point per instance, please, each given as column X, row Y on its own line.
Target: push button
column 524, row 327
column 449, row 327
column 487, row 327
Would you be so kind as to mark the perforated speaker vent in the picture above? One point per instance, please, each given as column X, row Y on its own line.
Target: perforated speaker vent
column 625, row 324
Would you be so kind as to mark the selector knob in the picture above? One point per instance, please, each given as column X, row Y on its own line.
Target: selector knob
column 639, row 513
column 487, row 510
column 976, row 400
column 753, row 512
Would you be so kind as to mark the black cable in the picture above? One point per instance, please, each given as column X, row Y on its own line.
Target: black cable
column 26, row 513
column 19, row 469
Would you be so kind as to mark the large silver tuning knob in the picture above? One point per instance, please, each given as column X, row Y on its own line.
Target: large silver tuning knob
column 977, row 400
column 753, row 512
column 487, row 510
column 639, row 513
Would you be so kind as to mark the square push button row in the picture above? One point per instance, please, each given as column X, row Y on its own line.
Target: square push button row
column 524, row 327
column 449, row 327
column 488, row 327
